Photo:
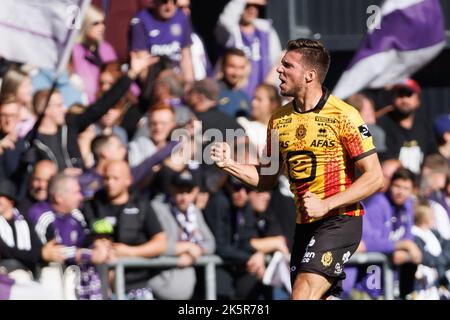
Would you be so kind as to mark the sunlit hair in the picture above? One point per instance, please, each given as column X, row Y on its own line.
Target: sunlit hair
column 314, row 55
column 92, row 15
column 11, row 82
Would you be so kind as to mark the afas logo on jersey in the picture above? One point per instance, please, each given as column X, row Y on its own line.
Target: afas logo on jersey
column 322, row 143
column 364, row 131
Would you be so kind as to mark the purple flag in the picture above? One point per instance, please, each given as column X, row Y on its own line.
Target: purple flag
column 410, row 35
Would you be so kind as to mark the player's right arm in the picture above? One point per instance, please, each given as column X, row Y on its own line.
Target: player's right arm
column 249, row 174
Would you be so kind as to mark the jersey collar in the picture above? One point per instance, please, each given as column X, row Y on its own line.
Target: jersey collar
column 319, row 105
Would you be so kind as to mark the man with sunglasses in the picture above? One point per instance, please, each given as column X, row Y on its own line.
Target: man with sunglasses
column 164, row 30
column 409, row 138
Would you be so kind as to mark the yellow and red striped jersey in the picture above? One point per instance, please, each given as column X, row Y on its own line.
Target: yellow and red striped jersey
column 319, row 148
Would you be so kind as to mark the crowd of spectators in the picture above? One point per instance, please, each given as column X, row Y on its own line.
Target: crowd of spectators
column 90, row 171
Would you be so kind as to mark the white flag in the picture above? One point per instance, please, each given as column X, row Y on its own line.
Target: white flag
column 40, row 32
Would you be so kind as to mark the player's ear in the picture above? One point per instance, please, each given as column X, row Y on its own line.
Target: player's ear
column 311, row 75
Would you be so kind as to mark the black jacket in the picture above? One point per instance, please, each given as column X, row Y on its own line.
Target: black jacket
column 77, row 123
column 232, row 233
column 134, row 224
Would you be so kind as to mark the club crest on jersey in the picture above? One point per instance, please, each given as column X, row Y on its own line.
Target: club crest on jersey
column 175, row 29
column 327, row 259
column 300, row 134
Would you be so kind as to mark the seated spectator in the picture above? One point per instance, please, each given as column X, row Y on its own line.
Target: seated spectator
column 164, row 30
column 19, row 245
column 270, row 238
column 239, row 26
column 441, row 126
column 387, row 229
column 188, row 237
column 37, row 190
column 16, row 86
column 59, row 220
column 136, row 230
column 431, row 273
column 282, row 203
column 232, row 99
column 230, row 218
column 366, row 107
column 92, row 52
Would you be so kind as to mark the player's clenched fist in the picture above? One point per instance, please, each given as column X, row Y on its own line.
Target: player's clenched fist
column 220, row 154
column 314, row 206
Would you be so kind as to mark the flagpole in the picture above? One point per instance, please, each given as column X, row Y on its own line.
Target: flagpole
column 62, row 63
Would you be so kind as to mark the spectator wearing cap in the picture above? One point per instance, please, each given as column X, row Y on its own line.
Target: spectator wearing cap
column 408, row 135
column 230, row 218
column 136, row 231
column 441, row 126
column 188, row 237
column 164, row 30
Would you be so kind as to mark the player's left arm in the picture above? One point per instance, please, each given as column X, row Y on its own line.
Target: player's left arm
column 368, row 183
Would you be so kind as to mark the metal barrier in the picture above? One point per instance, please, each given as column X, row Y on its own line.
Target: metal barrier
column 379, row 259
column 209, row 262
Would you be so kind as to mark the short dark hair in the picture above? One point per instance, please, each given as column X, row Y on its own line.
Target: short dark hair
column 404, row 174
column 207, row 87
column 99, row 143
column 232, row 52
column 314, row 54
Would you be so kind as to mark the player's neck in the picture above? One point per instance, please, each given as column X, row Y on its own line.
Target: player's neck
column 308, row 98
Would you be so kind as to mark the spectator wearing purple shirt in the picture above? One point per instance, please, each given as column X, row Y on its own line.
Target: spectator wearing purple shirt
column 240, row 27
column 92, row 52
column 387, row 225
column 60, row 220
column 164, row 30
